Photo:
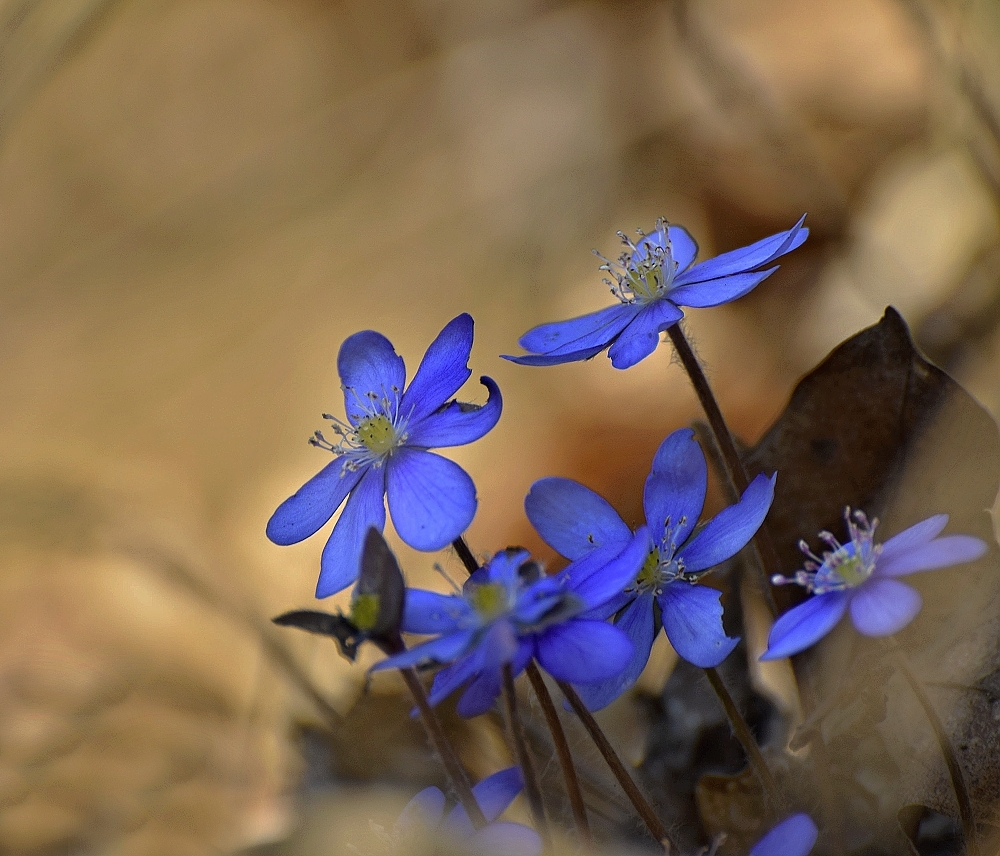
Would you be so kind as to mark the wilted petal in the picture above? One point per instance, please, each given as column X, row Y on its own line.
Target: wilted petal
column 794, row 836
column 442, row 371
column 718, row 291
column 582, row 651
column 457, row 423
column 595, row 330
column 572, row 519
column 939, row 553
column 341, row 560
column 881, row 607
column 692, row 619
column 303, row 513
column 432, row 500
column 675, row 487
column 747, row 258
column 369, row 367
column 804, row 625
column 640, row 338
column 431, row 612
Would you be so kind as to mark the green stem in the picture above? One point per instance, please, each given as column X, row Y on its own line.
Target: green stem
column 531, row 789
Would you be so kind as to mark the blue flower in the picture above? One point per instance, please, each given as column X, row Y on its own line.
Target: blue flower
column 860, row 576
column 383, row 452
column 425, row 813
column 653, row 279
column 794, row 836
column 584, row 528
column 510, row 612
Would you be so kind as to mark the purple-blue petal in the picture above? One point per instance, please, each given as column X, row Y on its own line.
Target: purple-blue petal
column 596, row 330
column 572, row 519
column 457, row 423
column 556, row 359
column 597, row 586
column 692, row 620
column 432, row 500
column 794, row 836
column 493, row 794
column 675, row 487
column 804, row 625
column 423, row 812
column 640, row 338
column 305, row 512
column 341, row 559
column 683, row 247
column 369, row 368
column 731, row 529
column 444, row 649
column 881, row 607
column 442, row 371
column 939, row 553
column 582, row 651
column 506, row 838
column 432, row 612
column 718, row 291
column 916, row 536
column 484, row 688
column 746, row 258
column 452, row 677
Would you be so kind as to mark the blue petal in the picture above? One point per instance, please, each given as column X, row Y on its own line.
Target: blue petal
column 636, row 622
column 881, row 607
column 423, row 812
column 572, row 519
column 794, row 836
column 939, row 553
column 456, row 423
column 452, row 677
column 493, row 794
column 731, row 529
column 444, row 649
column 442, row 371
column 341, row 560
column 556, row 359
column 718, row 291
column 503, row 568
column 313, row 504
column 482, row 692
column 506, row 839
column 431, row 612
column 746, row 258
column 683, row 247
column 675, row 487
column 640, row 338
column 582, row 652
column 596, row 330
column 916, row 536
column 369, row 367
column 692, row 619
column 598, row 585
column 432, row 500
column 804, row 625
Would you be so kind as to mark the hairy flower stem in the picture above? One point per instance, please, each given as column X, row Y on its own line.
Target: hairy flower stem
column 453, row 768
column 562, row 750
column 743, row 734
column 531, row 789
column 955, row 773
column 465, row 554
column 730, row 456
column 627, row 783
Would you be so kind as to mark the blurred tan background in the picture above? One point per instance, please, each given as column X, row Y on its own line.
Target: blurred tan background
column 200, row 200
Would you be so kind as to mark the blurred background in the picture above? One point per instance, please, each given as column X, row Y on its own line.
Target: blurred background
column 200, row 200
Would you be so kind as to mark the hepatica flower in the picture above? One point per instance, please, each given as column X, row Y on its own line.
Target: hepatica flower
column 509, row 612
column 653, row 279
column 674, row 555
column 861, row 577
column 382, row 453
column 794, row 836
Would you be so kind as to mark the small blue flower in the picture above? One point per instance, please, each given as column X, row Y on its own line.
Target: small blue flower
column 383, row 453
column 860, row 576
column 794, row 836
column 584, row 528
column 510, row 612
column 425, row 812
column 653, row 279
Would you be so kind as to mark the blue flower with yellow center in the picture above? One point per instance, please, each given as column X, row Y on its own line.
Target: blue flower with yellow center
column 652, row 280
column 383, row 453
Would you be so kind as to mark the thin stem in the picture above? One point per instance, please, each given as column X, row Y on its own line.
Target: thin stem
column 465, row 554
column 730, row 456
column 562, row 750
column 955, row 773
column 627, row 783
column 742, row 731
column 531, row 789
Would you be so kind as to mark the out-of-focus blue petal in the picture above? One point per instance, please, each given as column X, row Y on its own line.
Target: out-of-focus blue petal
column 683, row 246
column 731, row 529
column 640, row 338
column 636, row 622
column 494, row 794
column 939, row 553
column 444, row 649
column 432, row 500
column 804, row 625
column 341, row 559
column 442, row 371
column 718, row 291
column 675, row 487
column 484, row 688
column 747, row 258
column 452, row 677
column 422, row 813
column 582, row 652
column 456, row 423
column 506, row 838
column 572, row 519
column 916, row 536
column 606, row 582
column 503, row 568
column 881, row 607
column 794, row 836
column 431, row 612
column 692, row 620
column 303, row 513
column 595, row 330
column 369, row 366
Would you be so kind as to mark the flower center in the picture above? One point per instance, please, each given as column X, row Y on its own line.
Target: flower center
column 645, row 272
column 489, row 600
column 377, row 435
column 656, row 572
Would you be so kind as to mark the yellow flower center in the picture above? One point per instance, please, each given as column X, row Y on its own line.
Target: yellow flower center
column 364, row 611
column 489, row 600
column 377, row 435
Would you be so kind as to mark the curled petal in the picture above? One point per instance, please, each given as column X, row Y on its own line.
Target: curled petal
column 804, row 625
column 305, row 512
column 881, row 607
column 596, row 330
column 916, row 536
column 365, row 508
column 675, row 487
column 370, row 370
column 572, row 519
column 640, row 338
column 432, row 500
column 718, row 291
column 692, row 619
column 939, row 553
column 431, row 612
column 794, row 836
column 442, row 371
column 583, row 651
column 457, row 423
